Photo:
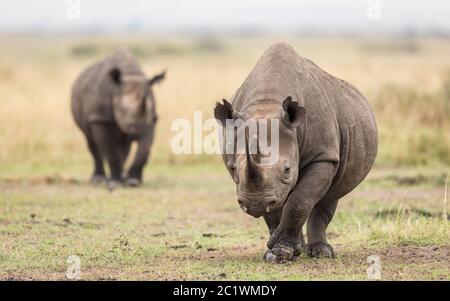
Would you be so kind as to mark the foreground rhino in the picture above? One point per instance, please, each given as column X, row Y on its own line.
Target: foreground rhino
column 113, row 104
column 328, row 143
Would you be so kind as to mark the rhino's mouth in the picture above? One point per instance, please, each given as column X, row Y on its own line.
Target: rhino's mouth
column 257, row 209
column 254, row 213
column 134, row 129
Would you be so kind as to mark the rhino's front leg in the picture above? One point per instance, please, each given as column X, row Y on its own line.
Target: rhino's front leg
column 134, row 175
column 273, row 220
column 313, row 184
column 106, row 138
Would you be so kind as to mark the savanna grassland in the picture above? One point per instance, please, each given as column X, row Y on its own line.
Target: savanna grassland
column 184, row 222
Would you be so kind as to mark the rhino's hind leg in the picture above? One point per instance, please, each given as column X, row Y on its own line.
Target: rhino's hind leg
column 99, row 172
column 318, row 221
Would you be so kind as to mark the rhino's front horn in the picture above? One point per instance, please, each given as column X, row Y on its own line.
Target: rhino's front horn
column 253, row 170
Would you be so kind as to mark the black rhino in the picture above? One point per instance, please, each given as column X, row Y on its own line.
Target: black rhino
column 328, row 142
column 113, row 105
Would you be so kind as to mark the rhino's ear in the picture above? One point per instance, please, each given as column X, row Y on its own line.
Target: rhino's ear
column 157, row 78
column 293, row 114
column 222, row 112
column 116, row 75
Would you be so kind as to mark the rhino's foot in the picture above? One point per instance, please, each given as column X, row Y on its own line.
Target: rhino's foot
column 113, row 184
column 283, row 247
column 280, row 255
column 271, row 258
column 132, row 182
column 98, row 179
column 282, row 252
column 320, row 249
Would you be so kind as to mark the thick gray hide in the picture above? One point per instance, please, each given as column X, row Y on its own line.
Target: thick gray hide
column 337, row 145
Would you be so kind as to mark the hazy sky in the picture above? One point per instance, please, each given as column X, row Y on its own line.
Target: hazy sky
column 270, row 15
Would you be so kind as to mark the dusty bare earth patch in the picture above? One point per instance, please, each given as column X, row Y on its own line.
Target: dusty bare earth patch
column 398, row 263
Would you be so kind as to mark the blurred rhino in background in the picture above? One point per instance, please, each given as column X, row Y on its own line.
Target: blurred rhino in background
column 113, row 105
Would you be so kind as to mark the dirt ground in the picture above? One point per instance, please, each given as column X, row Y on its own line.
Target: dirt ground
column 184, row 223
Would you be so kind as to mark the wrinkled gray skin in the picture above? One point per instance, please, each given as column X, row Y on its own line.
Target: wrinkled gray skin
column 328, row 143
column 113, row 104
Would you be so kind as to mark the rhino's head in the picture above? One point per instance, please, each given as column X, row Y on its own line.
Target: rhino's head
column 263, row 188
column 133, row 101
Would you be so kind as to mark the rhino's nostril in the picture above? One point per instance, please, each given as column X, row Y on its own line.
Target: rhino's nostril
column 243, row 207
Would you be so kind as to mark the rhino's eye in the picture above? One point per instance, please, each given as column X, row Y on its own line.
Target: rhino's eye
column 287, row 172
column 235, row 174
column 236, row 177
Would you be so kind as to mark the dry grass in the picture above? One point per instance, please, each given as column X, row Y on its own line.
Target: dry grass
column 406, row 81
